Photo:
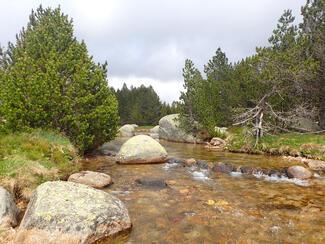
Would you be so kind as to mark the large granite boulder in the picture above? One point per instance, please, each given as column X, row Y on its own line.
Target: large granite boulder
column 67, row 212
column 169, row 130
column 127, row 130
column 141, row 149
column 154, row 132
column 90, row 178
column 299, row 172
column 8, row 209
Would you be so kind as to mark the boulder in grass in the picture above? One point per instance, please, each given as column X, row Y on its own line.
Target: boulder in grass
column 8, row 209
column 141, row 149
column 67, row 212
column 90, row 178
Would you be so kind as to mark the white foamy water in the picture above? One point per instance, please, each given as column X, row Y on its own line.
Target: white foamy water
column 236, row 174
column 282, row 179
column 200, row 175
column 167, row 166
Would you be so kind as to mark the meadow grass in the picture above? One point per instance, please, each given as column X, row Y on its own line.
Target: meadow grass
column 30, row 158
column 290, row 144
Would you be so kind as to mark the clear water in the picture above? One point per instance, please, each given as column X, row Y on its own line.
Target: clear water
column 202, row 207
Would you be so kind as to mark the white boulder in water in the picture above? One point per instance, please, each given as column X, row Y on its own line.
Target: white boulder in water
column 141, row 149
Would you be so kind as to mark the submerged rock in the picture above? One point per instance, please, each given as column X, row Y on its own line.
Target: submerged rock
column 223, row 168
column 141, row 149
column 67, row 212
column 110, row 148
column 8, row 209
column 127, row 130
column 152, row 183
column 189, row 162
column 169, row 130
column 299, row 172
column 175, row 161
column 90, row 178
column 202, row 164
column 248, row 170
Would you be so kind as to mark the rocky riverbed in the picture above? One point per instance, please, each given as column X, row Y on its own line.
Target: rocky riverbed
column 185, row 201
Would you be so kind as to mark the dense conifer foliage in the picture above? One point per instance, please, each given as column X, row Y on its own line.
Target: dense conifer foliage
column 141, row 105
column 48, row 80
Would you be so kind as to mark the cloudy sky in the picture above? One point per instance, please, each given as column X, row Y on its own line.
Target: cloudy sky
column 147, row 41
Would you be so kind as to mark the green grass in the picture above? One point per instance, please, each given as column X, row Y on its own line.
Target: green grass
column 30, row 158
column 292, row 144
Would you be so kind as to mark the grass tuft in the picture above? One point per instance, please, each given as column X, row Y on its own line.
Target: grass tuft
column 30, row 158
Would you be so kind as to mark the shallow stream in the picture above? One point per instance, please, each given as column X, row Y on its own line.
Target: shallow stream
column 198, row 206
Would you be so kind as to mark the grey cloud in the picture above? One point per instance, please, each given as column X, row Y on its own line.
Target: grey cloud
column 151, row 38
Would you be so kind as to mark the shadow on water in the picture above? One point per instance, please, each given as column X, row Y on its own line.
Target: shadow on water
column 198, row 207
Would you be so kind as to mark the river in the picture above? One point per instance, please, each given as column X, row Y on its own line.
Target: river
column 203, row 207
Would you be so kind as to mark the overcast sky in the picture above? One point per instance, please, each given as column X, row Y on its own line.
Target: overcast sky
column 147, row 41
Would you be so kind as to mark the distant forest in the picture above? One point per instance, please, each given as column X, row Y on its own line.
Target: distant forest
column 141, row 105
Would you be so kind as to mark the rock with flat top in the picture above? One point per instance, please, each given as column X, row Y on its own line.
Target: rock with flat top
column 67, row 212
column 90, row 178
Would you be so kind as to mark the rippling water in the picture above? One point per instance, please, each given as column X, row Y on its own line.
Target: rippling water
column 201, row 207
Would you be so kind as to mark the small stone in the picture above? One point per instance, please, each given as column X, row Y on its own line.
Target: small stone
column 223, row 168
column 190, row 162
column 184, row 191
column 216, row 141
column 315, row 164
column 90, row 178
column 154, row 183
column 202, row 164
column 299, row 172
column 175, row 161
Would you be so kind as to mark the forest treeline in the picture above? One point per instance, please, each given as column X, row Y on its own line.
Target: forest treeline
column 141, row 105
column 269, row 91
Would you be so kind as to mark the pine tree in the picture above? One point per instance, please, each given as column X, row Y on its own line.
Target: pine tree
column 52, row 82
column 189, row 97
column 313, row 28
column 285, row 34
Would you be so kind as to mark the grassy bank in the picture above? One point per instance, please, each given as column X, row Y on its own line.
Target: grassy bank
column 290, row 144
column 28, row 159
